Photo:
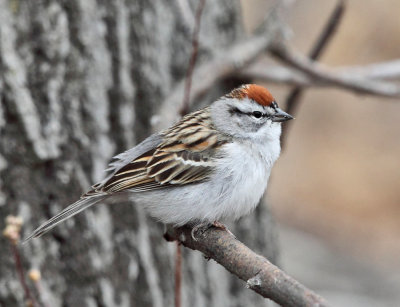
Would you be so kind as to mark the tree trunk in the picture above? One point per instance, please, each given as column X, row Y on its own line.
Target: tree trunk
column 79, row 82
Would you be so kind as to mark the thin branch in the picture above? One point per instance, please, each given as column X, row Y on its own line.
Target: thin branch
column 316, row 51
column 389, row 70
column 20, row 270
column 260, row 275
column 328, row 30
column 195, row 49
column 12, row 232
column 35, row 277
column 219, row 67
column 321, row 73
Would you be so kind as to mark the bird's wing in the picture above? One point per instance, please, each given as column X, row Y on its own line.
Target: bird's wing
column 186, row 154
column 183, row 154
column 119, row 161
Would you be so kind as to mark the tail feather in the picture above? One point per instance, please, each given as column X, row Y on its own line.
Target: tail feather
column 75, row 208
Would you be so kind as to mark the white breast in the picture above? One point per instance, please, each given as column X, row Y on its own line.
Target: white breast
column 233, row 190
column 243, row 176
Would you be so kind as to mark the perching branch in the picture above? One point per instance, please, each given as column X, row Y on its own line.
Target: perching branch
column 260, row 275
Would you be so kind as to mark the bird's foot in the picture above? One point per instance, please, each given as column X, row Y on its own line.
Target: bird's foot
column 201, row 228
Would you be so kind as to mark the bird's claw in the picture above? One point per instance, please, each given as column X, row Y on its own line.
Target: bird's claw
column 203, row 227
column 199, row 228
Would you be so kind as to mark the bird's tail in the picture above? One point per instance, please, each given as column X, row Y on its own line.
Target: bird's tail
column 71, row 210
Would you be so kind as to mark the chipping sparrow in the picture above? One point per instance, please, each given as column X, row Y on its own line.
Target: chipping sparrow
column 213, row 164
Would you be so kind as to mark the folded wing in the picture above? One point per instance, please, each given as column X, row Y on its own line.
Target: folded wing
column 186, row 155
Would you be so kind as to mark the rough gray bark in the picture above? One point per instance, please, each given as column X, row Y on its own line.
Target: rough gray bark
column 79, row 82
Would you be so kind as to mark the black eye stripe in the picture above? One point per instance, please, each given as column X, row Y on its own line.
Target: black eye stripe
column 240, row 112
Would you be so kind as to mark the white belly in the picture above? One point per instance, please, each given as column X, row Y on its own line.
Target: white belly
column 233, row 190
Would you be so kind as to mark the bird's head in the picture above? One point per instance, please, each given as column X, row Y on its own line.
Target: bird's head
column 249, row 111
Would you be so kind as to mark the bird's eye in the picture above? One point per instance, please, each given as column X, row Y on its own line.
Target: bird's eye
column 257, row 114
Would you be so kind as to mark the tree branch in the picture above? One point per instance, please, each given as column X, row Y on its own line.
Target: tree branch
column 292, row 100
column 321, row 74
column 291, row 76
column 260, row 275
column 389, row 70
column 328, row 30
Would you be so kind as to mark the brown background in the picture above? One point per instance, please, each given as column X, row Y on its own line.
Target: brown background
column 339, row 177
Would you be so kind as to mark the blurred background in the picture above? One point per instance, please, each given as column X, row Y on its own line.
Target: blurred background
column 83, row 80
column 337, row 183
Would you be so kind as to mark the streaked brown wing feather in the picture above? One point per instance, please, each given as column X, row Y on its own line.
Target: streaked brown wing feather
column 185, row 156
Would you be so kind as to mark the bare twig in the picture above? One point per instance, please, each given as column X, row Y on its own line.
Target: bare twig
column 389, row 70
column 321, row 74
column 316, row 51
column 20, row 270
column 222, row 65
column 13, row 233
column 195, row 49
column 260, row 275
column 35, row 277
column 328, row 30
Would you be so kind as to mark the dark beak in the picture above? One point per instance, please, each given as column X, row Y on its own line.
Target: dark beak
column 281, row 116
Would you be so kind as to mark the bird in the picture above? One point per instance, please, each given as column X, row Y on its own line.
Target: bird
column 212, row 165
